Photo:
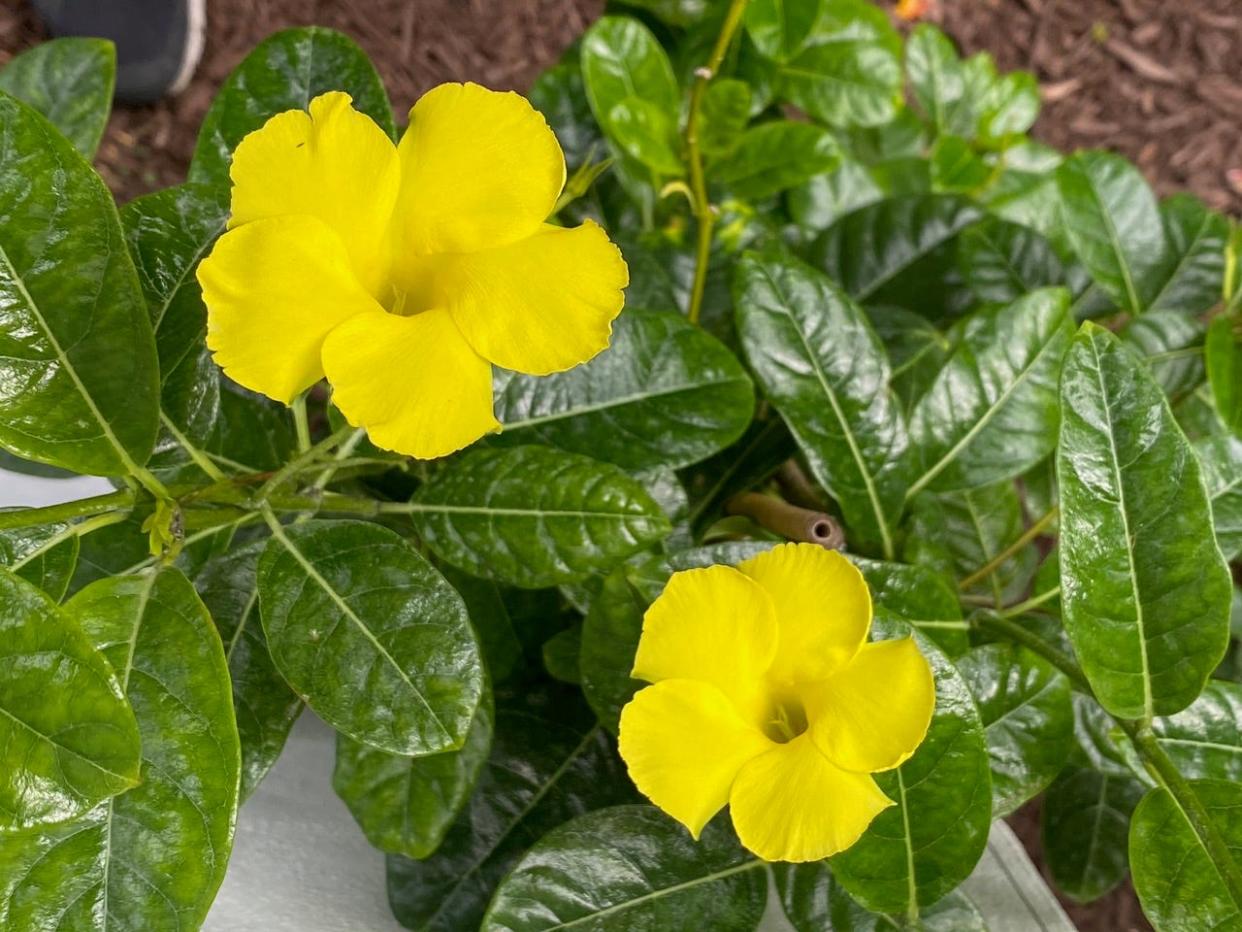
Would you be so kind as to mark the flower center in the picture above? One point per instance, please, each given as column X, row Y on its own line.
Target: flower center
column 412, row 289
column 786, row 720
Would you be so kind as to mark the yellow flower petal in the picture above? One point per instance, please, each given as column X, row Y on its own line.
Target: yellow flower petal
column 412, row 382
column 715, row 626
column 333, row 163
column 543, row 304
column 792, row 804
column 684, row 743
column 479, row 168
column 872, row 714
column 823, row 609
column 273, row 290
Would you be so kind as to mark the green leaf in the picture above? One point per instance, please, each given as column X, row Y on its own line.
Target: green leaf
column 1086, row 817
column 918, row 850
column 69, row 81
column 1224, row 369
column 934, row 71
column 646, row 133
column 370, row 635
column 168, row 233
column 1009, row 107
column 674, row 12
column 955, row 166
column 1025, row 707
column 814, row 902
column 68, row 739
column 1145, row 591
column 610, row 636
column 265, row 706
column 253, row 433
column 1221, row 457
column 992, row 412
column 743, row 466
column 45, row 556
column 535, row 517
column 491, row 620
column 1193, row 896
column 560, row 654
column 823, row 367
column 1113, row 224
column 621, row 59
column 771, row 157
column 560, row 95
column 1172, row 344
column 723, row 116
column 918, row 597
column 664, row 393
column 1204, row 740
column 1193, row 279
column 1002, row 261
column 154, row 857
column 916, row 349
column 284, row 72
column 824, row 199
column 632, row 867
column 79, row 386
column 779, row 28
column 549, row 763
column 406, row 804
column 901, row 251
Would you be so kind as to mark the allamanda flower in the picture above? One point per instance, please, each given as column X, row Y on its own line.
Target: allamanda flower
column 403, row 273
column 768, row 697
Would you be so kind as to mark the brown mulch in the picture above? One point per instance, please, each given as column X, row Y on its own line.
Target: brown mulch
column 1159, row 81
column 416, row 44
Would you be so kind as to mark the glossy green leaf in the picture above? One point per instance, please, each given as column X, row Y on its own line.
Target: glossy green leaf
column 406, row 804
column 1224, row 369
column 919, row 597
column 1192, row 896
column 70, row 82
column 1113, row 224
column 550, row 762
column 779, row 28
column 934, row 71
column 265, row 706
column 901, row 251
column 1193, row 278
column 560, row 95
column 78, row 379
column 664, row 393
column 284, row 72
column 823, row 367
column 918, row 850
column 560, row 655
column 632, row 867
column 1145, row 592
column 646, row 133
column 1025, row 707
column 1172, row 344
column 534, row 517
column 771, row 157
column 1205, row 738
column 168, row 233
column 992, row 412
column 815, row 902
column 1221, row 456
column 824, row 199
column 68, row 739
column 1009, row 107
column 370, row 635
column 956, row 167
column 45, row 556
column 491, row 619
column 917, row 350
column 723, row 116
column 1086, row 818
column 1002, row 261
column 252, row 433
column 674, row 12
column 153, row 857
column 621, row 59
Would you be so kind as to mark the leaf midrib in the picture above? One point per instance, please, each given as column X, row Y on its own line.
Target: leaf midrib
column 615, row 402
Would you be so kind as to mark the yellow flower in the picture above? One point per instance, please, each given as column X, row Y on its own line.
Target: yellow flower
column 403, row 273
column 768, row 697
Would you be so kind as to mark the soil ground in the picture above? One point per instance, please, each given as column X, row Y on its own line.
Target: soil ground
column 1157, row 80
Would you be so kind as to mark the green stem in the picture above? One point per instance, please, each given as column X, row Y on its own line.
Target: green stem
column 300, row 462
column 1036, row 645
column 342, row 454
column 201, row 460
column 999, row 560
column 121, row 500
column 1031, row 604
column 300, row 423
column 1166, row 773
column 81, row 529
column 704, row 212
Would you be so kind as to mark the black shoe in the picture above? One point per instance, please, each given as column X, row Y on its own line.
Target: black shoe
column 158, row 42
